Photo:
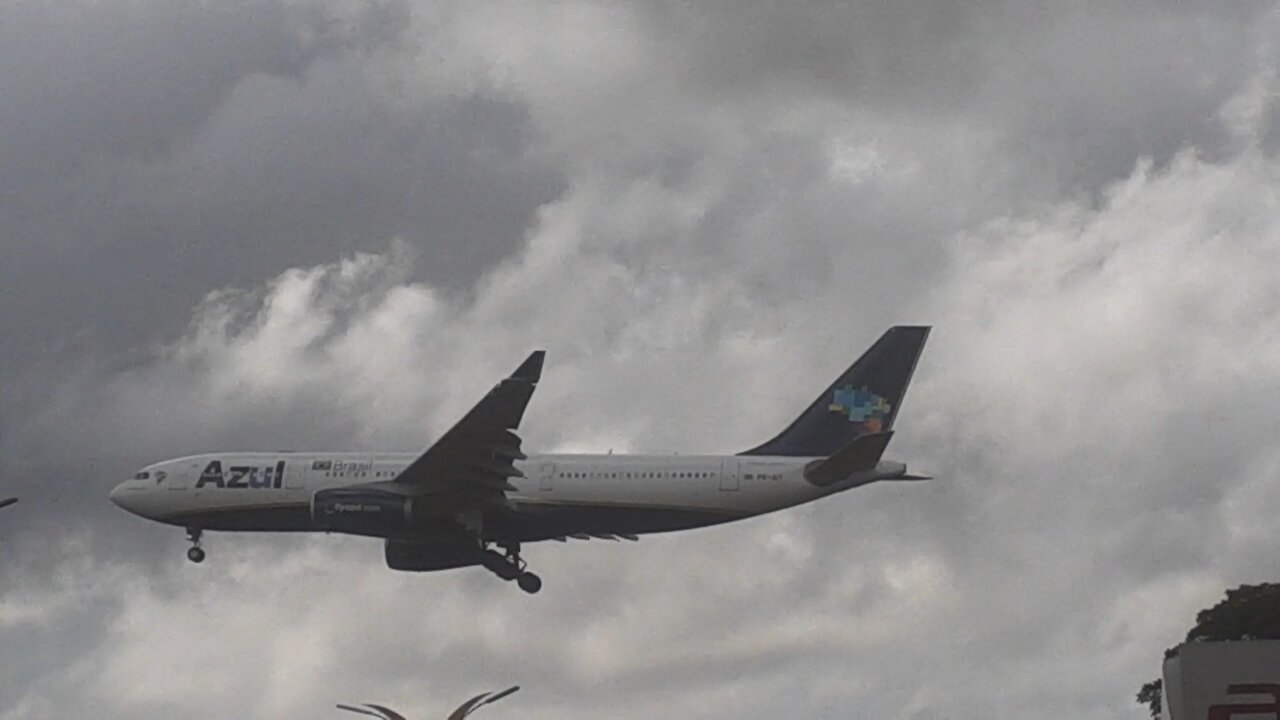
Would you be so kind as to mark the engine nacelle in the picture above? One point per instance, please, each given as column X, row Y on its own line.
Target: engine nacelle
column 362, row 511
column 423, row 557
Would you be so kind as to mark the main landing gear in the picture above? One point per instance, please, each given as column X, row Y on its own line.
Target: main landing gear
column 195, row 554
column 511, row 567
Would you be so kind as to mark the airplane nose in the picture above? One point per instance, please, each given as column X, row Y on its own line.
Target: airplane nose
column 116, row 496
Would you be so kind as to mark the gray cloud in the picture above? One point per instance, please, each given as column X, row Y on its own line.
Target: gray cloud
column 155, row 154
column 1073, row 98
column 702, row 214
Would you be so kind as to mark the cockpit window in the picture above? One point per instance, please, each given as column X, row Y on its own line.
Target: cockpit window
column 142, row 475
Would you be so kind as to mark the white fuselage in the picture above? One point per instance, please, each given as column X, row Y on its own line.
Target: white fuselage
column 474, row 497
column 249, row 486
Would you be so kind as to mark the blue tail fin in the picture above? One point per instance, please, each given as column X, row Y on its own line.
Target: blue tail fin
column 863, row 400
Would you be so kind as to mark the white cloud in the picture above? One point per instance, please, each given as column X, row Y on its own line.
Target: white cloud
column 1096, row 401
column 1093, row 379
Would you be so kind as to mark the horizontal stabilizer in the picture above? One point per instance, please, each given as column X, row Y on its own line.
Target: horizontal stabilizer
column 861, row 454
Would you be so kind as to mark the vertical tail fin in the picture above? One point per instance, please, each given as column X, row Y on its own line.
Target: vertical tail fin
column 863, row 400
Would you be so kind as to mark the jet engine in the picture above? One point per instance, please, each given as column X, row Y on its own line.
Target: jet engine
column 422, row 557
column 362, row 511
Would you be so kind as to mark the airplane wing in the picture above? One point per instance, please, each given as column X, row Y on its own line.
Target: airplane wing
column 8, row 501
column 474, row 458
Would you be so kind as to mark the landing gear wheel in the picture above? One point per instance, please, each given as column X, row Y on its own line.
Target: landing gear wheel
column 195, row 554
column 510, row 566
column 529, row 582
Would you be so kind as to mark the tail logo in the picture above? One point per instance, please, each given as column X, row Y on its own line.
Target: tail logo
column 861, row 406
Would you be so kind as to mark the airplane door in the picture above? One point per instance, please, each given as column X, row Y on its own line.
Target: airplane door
column 729, row 475
column 545, row 475
column 294, row 474
column 184, row 477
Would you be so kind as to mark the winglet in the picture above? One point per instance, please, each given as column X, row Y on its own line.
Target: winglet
column 861, row 454
column 531, row 368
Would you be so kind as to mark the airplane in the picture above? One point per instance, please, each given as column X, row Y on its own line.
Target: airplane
column 8, row 501
column 474, row 498
column 463, row 710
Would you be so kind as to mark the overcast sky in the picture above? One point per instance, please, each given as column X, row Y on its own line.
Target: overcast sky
column 271, row 224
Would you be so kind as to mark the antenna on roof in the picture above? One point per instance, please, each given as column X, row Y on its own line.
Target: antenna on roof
column 465, row 709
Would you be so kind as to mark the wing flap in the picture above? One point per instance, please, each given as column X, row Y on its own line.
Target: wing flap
column 495, row 467
column 597, row 536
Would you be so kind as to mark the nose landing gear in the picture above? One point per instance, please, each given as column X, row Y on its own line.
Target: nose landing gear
column 195, row 554
column 511, row 567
